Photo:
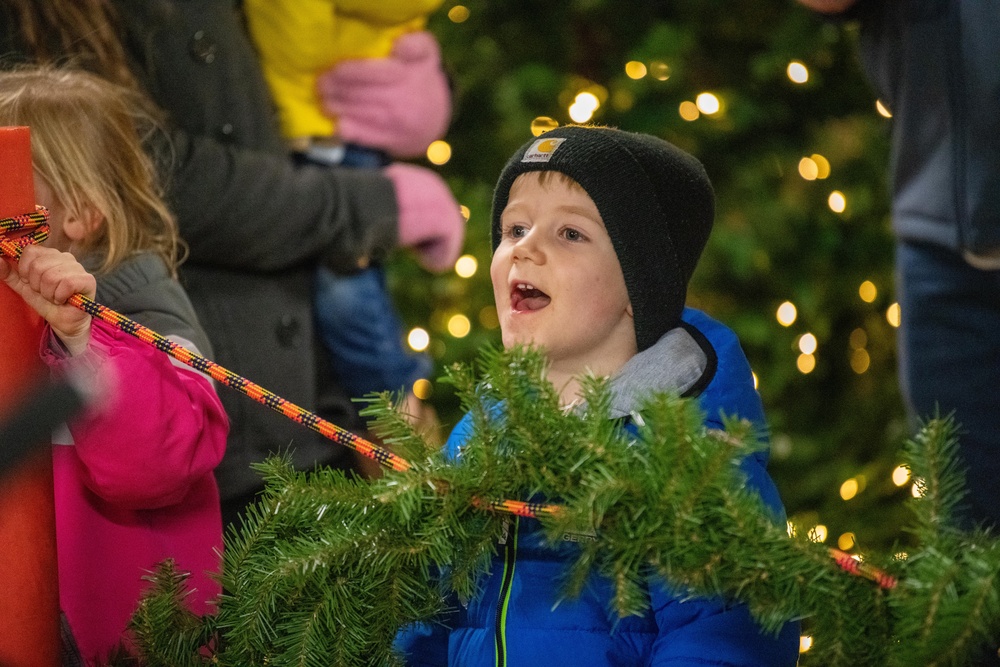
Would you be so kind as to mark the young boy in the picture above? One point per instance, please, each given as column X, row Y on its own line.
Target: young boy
column 596, row 233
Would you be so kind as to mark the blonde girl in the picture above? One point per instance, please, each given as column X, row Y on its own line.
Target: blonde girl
column 133, row 477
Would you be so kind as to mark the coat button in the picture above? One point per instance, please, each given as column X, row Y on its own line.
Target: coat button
column 202, row 48
column 289, row 331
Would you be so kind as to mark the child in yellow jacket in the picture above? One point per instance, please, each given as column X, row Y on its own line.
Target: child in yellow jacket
column 300, row 43
column 358, row 83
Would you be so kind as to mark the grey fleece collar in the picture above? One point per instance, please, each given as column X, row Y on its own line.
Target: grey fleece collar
column 675, row 363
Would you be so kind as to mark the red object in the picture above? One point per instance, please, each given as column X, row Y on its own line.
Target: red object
column 17, row 187
column 29, row 604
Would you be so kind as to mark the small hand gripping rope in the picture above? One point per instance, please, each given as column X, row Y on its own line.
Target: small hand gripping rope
column 34, row 228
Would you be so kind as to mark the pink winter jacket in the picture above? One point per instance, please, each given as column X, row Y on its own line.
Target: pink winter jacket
column 134, row 486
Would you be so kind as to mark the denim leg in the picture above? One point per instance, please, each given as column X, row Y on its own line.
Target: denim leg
column 949, row 359
column 363, row 334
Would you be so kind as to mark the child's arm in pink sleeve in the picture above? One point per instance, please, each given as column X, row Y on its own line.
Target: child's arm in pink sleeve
column 160, row 427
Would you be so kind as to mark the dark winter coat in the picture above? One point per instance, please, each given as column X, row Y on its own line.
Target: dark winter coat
column 515, row 621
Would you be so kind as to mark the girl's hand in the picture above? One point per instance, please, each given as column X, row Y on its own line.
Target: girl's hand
column 46, row 278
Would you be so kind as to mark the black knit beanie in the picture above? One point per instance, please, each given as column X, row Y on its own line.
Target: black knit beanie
column 656, row 202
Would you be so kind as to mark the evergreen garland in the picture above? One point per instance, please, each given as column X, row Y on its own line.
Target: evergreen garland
column 326, row 568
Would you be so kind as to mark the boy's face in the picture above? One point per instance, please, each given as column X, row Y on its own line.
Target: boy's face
column 556, row 278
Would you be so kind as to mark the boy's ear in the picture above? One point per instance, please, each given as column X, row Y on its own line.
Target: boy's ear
column 79, row 226
column 628, row 310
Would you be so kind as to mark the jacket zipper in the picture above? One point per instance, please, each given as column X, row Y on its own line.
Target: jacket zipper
column 509, row 557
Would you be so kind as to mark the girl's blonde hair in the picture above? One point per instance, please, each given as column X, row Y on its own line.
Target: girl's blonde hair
column 87, row 142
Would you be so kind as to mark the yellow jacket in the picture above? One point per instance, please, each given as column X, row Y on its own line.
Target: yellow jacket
column 299, row 39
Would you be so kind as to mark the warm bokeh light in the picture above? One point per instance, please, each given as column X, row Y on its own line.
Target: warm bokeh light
column 635, row 69
column 846, row 541
column 583, row 107
column 882, row 109
column 860, row 361
column 807, row 343
column 900, row 475
column 543, row 124
column 466, row 213
column 892, row 314
column 439, row 152
column 688, row 110
column 488, row 317
column 756, row 380
column 818, row 533
column 867, row 291
column 459, row 14
column 837, row 201
column 466, row 266
column 805, row 643
column 849, row 489
column 858, row 339
column 790, row 527
column 822, row 166
column 806, row 363
column 808, row 169
column 459, row 326
column 708, row 103
column 659, row 70
column 423, row 389
column 418, row 339
column 917, row 490
column 786, row 314
column 797, row 72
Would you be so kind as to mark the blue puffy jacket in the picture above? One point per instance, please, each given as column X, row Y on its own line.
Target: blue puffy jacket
column 515, row 621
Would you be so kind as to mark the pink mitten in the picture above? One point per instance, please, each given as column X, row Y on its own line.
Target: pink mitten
column 398, row 104
column 429, row 217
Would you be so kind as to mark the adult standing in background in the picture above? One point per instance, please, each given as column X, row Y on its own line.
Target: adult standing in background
column 255, row 225
column 936, row 66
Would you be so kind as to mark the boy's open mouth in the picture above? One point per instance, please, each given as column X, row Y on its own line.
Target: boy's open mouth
column 525, row 296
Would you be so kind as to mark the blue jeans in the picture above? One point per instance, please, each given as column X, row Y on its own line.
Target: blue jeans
column 949, row 360
column 363, row 334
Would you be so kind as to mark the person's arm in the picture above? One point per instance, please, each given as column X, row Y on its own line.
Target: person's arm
column 252, row 210
column 160, row 428
column 828, row 6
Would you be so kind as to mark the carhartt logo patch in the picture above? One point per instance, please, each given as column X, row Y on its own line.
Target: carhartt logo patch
column 541, row 150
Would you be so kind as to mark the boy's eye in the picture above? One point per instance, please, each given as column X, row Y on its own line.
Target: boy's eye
column 516, row 231
column 572, row 235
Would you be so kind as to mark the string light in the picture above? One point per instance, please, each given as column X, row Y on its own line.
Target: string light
column 659, row 70
column 849, row 489
column 860, row 361
column 790, row 527
column 867, row 291
column 797, row 71
column 882, row 109
column 439, row 152
column 488, row 317
column 708, row 103
column 583, row 107
column 418, row 339
column 822, row 166
column 818, row 533
column 543, row 124
column 806, row 363
column 635, row 69
column 466, row 266
column 466, row 213
column 805, row 643
column 846, row 541
column 837, row 201
column 423, row 389
column 808, row 169
column 459, row 14
column 892, row 315
column 459, row 326
column 786, row 314
column 807, row 343
column 858, row 339
column 688, row 110
column 756, row 380
column 917, row 489
column 900, row 475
